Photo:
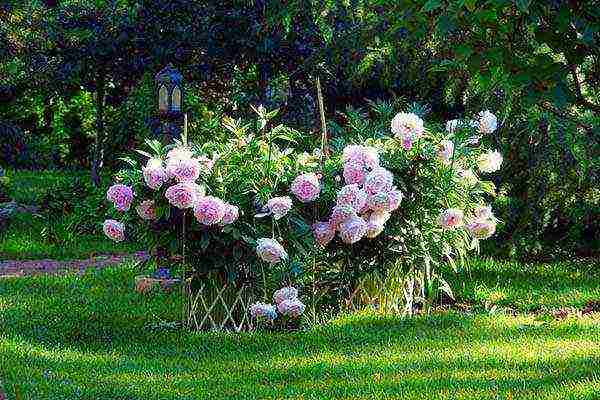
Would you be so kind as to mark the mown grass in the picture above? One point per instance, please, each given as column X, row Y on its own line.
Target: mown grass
column 87, row 337
column 25, row 187
column 527, row 287
column 32, row 237
column 39, row 235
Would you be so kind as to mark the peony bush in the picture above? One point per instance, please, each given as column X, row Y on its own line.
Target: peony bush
column 394, row 195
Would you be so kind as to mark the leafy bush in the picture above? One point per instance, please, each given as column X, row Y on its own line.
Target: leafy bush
column 440, row 219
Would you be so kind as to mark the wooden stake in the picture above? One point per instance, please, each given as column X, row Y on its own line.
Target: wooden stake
column 323, row 123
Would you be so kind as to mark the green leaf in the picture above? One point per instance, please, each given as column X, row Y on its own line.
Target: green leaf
column 523, row 5
column 144, row 153
column 431, row 5
column 464, row 51
column 471, row 5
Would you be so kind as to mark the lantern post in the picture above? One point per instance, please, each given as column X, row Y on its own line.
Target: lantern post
column 170, row 96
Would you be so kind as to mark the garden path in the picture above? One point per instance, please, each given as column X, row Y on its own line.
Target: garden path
column 16, row 268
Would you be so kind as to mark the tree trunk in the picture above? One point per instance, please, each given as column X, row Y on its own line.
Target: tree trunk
column 98, row 156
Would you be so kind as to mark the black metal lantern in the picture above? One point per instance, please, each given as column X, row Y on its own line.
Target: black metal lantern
column 168, row 84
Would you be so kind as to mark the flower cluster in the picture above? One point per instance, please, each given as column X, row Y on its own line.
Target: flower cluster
column 483, row 223
column 279, row 206
column 121, row 196
column 184, row 169
column 184, row 195
column 263, row 311
column 363, row 205
column 306, row 187
column 287, row 304
column 490, row 161
column 146, row 210
column 486, row 122
column 115, row 230
column 358, row 162
column 154, row 173
column 451, row 218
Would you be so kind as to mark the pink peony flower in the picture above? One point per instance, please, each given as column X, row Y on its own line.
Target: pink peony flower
column 379, row 180
column 354, row 173
column 182, row 195
column 209, row 210
column 230, row 215
column 121, row 196
column 451, row 218
column 279, row 206
column 154, row 173
column 353, row 196
column 306, row 187
column 353, row 230
column 115, row 230
column 291, row 308
column 445, row 152
column 407, row 124
column 285, row 293
column 323, row 233
column 183, row 169
column 352, row 152
column 269, row 250
column 365, row 156
column 263, row 311
column 341, row 214
column 407, row 127
column 146, row 210
column 482, row 228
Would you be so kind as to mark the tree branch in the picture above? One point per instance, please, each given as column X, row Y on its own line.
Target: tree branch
column 581, row 100
column 548, row 106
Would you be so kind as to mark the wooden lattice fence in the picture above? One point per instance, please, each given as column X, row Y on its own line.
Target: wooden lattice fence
column 218, row 307
column 385, row 294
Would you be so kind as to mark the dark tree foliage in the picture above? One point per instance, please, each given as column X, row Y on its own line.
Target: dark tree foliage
column 536, row 63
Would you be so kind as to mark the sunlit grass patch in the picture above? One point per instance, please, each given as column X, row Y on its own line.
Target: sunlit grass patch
column 527, row 287
column 86, row 337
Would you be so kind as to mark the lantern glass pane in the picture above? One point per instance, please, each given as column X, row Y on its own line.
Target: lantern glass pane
column 163, row 101
column 176, row 99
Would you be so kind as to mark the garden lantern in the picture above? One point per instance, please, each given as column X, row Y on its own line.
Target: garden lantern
column 168, row 84
column 169, row 91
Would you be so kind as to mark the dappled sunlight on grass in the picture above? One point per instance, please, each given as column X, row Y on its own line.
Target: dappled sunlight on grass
column 84, row 337
column 527, row 287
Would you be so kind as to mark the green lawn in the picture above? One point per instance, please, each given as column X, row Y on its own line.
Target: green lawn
column 527, row 287
column 26, row 186
column 87, row 337
column 40, row 235
column 31, row 237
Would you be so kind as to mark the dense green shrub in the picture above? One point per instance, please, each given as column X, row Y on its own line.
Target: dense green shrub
column 262, row 160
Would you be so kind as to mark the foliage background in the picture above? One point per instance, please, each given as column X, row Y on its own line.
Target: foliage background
column 76, row 84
